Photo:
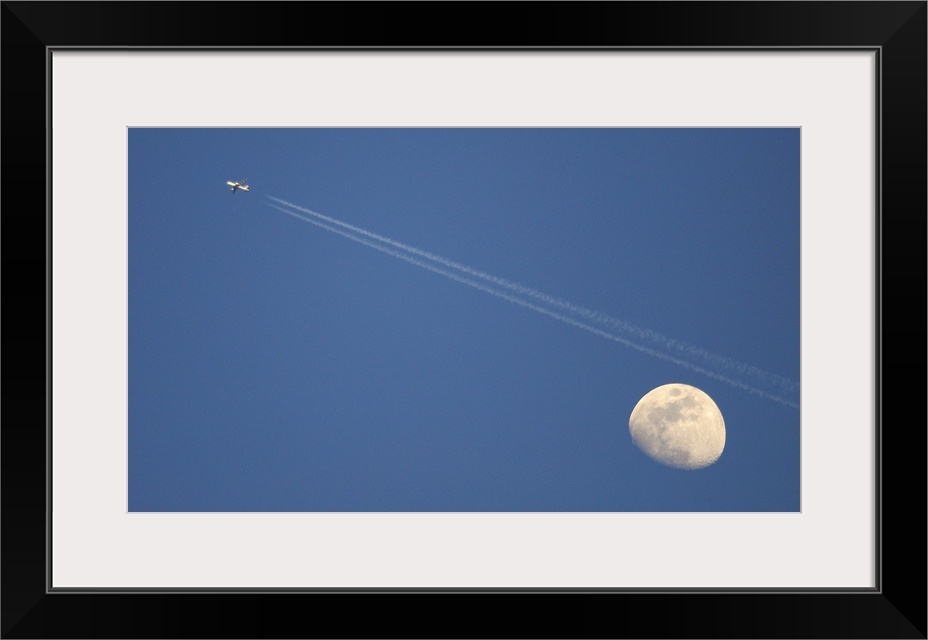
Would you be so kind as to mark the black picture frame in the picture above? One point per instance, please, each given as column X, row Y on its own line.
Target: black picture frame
column 895, row 30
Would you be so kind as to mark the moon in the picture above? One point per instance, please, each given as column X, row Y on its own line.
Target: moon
column 678, row 425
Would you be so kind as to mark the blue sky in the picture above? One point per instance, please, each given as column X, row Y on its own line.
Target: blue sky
column 278, row 366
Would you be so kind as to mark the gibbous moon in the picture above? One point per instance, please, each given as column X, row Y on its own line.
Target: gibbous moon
column 678, row 425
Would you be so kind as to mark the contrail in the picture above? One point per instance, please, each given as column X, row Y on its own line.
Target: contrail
column 534, row 307
column 770, row 381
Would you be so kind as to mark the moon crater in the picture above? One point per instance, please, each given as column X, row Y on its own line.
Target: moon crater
column 678, row 425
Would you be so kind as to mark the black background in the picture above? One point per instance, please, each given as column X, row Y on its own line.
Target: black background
column 896, row 609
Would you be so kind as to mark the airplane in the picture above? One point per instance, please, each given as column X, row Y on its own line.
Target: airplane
column 238, row 185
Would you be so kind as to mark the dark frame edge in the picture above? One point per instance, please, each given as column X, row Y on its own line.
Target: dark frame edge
column 49, row 314
column 30, row 610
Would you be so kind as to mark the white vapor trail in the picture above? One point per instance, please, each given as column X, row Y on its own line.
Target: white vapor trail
column 513, row 299
column 771, row 382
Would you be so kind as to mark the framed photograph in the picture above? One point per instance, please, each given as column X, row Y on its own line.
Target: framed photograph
column 589, row 310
